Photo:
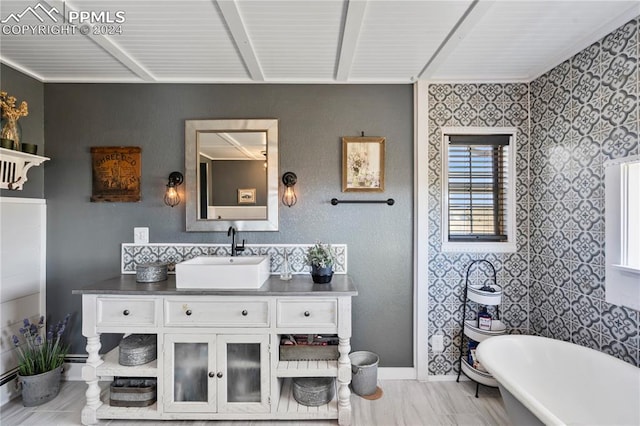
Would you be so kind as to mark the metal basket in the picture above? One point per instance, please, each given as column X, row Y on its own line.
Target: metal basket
column 313, row 391
column 138, row 349
column 151, row 272
column 132, row 392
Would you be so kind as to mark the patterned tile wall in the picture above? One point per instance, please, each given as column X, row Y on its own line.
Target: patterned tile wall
column 134, row 254
column 483, row 105
column 583, row 112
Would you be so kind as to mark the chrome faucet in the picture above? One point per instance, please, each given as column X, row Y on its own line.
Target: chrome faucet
column 235, row 248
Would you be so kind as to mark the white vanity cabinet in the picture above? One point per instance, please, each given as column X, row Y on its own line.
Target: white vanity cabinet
column 218, row 351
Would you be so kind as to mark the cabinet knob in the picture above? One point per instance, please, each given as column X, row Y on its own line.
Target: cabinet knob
column 307, row 313
column 212, row 374
column 245, row 313
column 188, row 312
column 125, row 312
column 219, row 374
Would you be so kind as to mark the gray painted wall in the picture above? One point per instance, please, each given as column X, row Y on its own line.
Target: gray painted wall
column 230, row 175
column 84, row 238
column 25, row 88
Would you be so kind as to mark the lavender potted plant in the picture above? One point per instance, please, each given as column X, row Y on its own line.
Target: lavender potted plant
column 40, row 359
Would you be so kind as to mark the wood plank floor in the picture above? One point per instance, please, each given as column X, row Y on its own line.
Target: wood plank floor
column 405, row 403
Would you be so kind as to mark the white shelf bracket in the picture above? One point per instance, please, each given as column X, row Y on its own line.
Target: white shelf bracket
column 14, row 166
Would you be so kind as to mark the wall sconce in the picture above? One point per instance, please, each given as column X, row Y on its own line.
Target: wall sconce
column 289, row 179
column 171, row 196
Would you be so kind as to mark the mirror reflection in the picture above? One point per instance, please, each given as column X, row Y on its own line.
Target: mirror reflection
column 231, row 169
column 233, row 175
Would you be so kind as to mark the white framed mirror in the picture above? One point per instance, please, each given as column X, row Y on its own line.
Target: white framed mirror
column 231, row 174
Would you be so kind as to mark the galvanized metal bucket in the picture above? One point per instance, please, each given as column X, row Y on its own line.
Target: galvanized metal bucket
column 138, row 349
column 313, row 391
column 40, row 388
column 364, row 366
column 151, row 272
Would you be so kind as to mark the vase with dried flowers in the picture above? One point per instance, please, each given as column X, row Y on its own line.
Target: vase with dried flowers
column 10, row 130
column 40, row 359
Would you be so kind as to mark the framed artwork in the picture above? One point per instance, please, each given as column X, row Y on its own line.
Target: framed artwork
column 363, row 164
column 115, row 173
column 247, row 196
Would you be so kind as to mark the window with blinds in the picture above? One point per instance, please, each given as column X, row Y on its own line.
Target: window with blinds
column 478, row 189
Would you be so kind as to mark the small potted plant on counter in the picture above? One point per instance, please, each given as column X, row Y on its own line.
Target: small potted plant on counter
column 321, row 259
column 40, row 360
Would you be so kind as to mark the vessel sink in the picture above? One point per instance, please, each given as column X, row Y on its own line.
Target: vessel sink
column 223, row 272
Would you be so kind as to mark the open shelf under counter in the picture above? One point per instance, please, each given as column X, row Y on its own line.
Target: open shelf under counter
column 107, row 412
column 147, row 413
column 295, row 410
column 313, row 368
column 111, row 367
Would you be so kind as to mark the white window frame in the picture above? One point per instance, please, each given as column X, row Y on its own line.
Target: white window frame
column 622, row 281
column 508, row 246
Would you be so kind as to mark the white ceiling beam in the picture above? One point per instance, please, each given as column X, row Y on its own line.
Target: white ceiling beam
column 106, row 43
column 463, row 27
column 233, row 142
column 231, row 15
column 350, row 35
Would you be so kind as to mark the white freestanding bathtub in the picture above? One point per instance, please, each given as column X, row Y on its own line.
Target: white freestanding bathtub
column 547, row 381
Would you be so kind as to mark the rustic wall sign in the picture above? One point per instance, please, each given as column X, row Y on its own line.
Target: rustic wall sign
column 116, row 173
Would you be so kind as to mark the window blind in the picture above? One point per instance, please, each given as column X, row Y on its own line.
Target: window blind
column 477, row 185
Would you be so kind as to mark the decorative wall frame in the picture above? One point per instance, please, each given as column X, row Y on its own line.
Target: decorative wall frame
column 363, row 164
column 247, row 196
column 116, row 173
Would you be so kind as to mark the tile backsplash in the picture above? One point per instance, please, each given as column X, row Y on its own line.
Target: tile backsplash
column 172, row 253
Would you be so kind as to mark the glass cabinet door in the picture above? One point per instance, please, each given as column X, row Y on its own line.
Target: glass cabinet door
column 244, row 364
column 190, row 373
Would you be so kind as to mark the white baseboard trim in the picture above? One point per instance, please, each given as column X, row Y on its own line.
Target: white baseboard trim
column 397, row 373
column 72, row 371
column 8, row 391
